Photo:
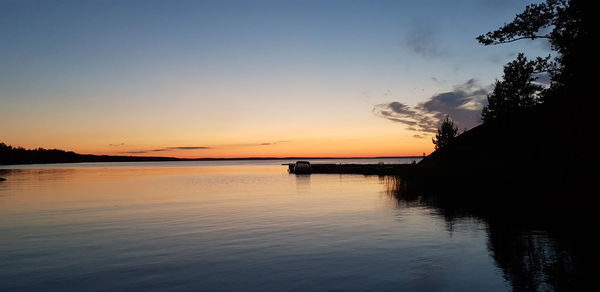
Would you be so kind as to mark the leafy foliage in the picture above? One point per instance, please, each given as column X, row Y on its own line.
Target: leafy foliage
column 516, row 91
column 528, row 24
column 446, row 133
column 566, row 24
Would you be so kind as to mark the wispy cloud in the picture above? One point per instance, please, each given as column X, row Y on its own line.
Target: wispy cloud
column 117, row 145
column 463, row 104
column 207, row 147
column 273, row 143
column 422, row 39
column 187, row 147
column 168, row 148
column 269, row 143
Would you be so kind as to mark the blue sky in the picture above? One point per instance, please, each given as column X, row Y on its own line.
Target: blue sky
column 225, row 72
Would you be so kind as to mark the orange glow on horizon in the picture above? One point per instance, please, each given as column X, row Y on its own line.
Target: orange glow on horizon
column 302, row 148
column 182, row 134
column 334, row 148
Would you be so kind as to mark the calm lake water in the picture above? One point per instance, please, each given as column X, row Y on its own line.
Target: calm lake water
column 233, row 225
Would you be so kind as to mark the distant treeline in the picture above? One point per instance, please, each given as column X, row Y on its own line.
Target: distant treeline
column 20, row 155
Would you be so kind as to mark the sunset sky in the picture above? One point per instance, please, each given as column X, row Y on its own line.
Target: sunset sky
column 246, row 78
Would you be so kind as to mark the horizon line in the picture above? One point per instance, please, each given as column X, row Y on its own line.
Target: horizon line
column 264, row 158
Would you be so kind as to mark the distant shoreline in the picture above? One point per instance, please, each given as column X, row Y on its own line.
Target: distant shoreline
column 10, row 155
column 101, row 159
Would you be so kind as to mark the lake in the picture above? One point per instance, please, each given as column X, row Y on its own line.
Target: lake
column 235, row 225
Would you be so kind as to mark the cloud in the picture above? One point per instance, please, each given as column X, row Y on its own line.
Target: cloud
column 206, row 147
column 543, row 79
column 273, row 143
column 187, row 147
column 401, row 108
column 436, row 80
column 401, row 113
column 167, row 149
column 144, row 151
column 117, row 145
column 255, row 144
column 422, row 40
column 463, row 104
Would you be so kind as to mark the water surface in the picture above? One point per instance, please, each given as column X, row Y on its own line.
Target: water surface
column 222, row 226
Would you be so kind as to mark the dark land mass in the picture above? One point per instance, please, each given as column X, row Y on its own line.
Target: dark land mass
column 531, row 178
column 19, row 155
column 544, row 149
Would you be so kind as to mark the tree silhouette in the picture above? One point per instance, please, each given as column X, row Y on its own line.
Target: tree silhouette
column 516, row 91
column 446, row 133
column 20, row 155
column 566, row 24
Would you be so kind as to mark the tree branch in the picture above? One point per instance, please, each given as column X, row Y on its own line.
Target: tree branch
column 520, row 38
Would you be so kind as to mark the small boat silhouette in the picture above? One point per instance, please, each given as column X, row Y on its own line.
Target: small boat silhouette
column 302, row 167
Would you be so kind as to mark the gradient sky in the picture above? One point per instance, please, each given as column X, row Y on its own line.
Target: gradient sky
column 245, row 78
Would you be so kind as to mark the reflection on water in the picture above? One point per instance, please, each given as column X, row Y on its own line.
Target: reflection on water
column 539, row 247
column 303, row 183
column 255, row 227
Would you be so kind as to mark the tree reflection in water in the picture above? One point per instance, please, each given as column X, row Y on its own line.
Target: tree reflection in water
column 540, row 244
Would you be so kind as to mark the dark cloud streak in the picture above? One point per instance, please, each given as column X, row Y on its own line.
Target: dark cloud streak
column 168, row 148
column 256, row 144
column 204, row 147
column 187, row 147
column 402, row 113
